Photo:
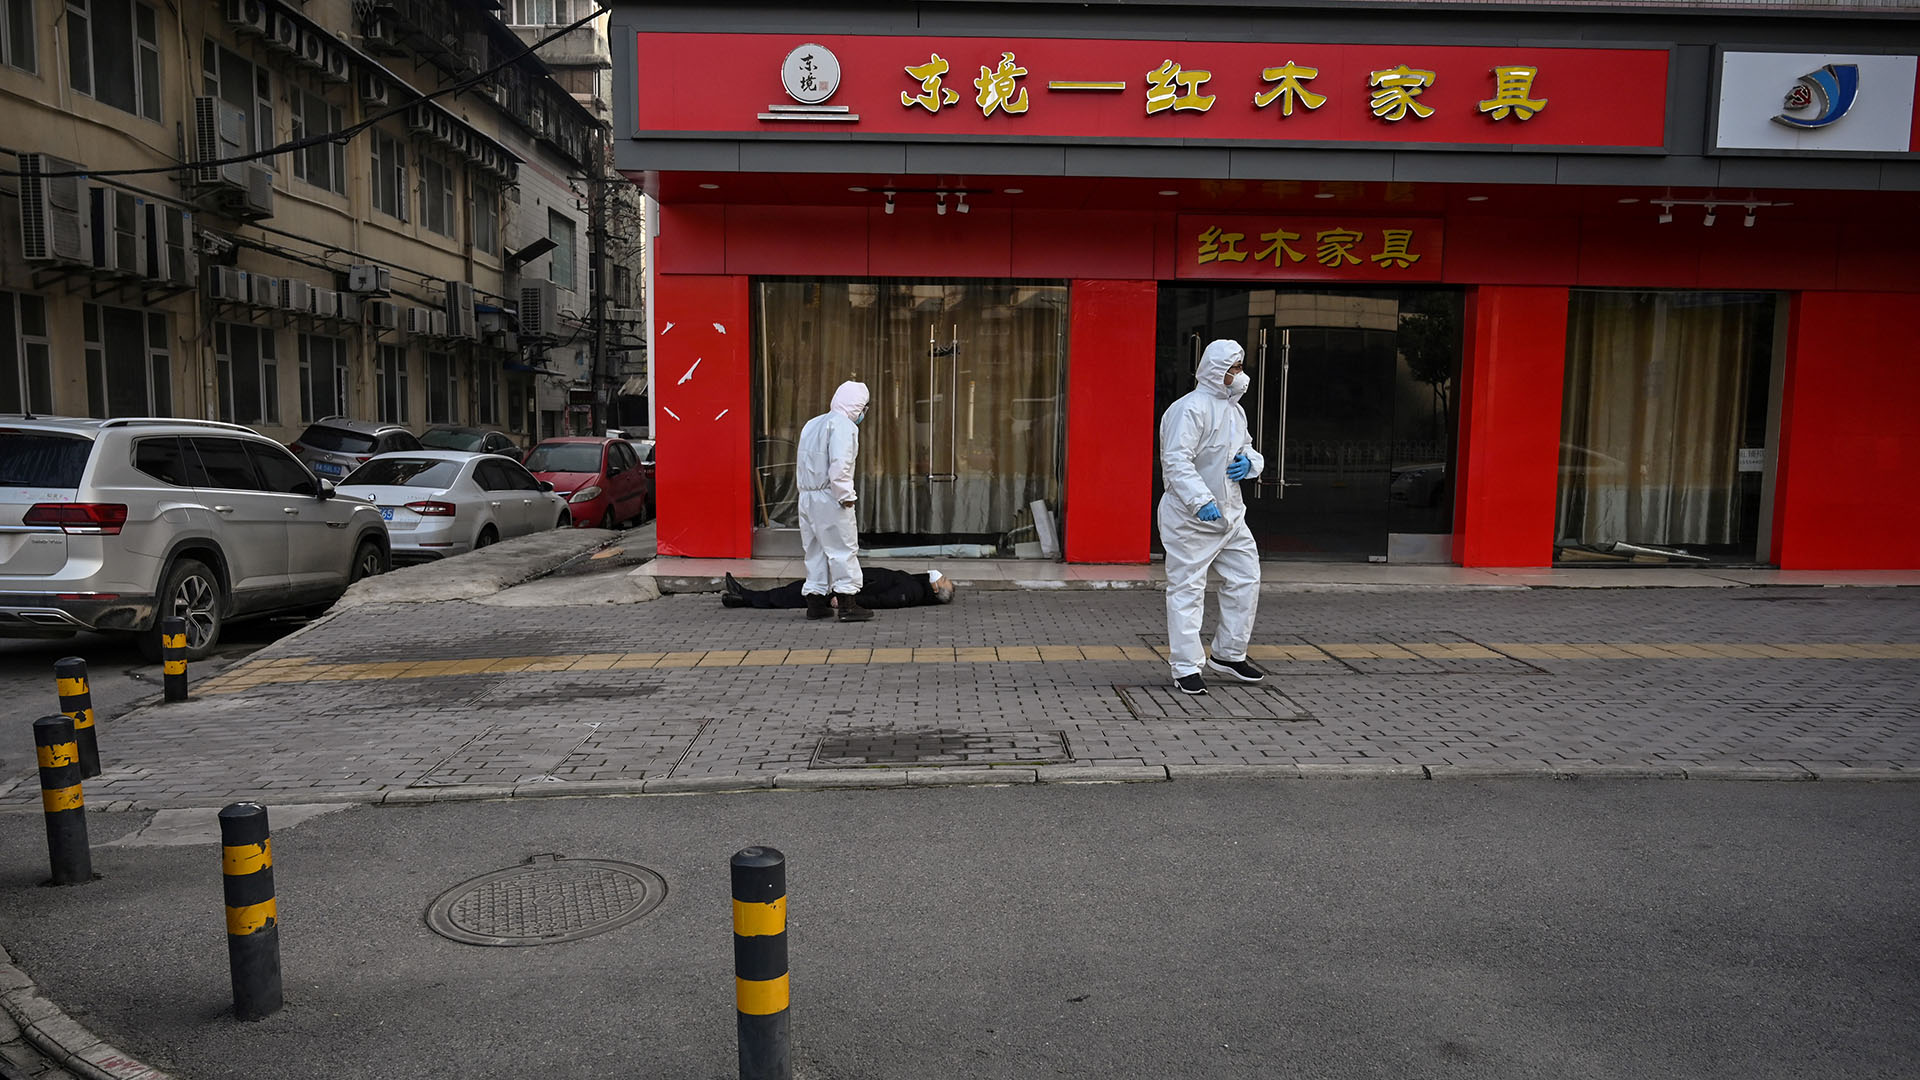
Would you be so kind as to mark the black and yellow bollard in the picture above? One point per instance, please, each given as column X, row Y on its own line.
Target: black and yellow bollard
column 173, row 656
column 60, row 794
column 253, row 923
column 70, row 679
column 760, row 963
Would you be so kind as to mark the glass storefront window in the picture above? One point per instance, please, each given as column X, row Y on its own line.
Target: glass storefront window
column 1664, row 430
column 967, row 419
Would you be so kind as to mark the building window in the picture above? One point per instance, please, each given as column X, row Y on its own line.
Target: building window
column 324, row 164
column 390, row 378
column 389, row 179
column 323, row 377
column 234, row 80
column 436, row 196
column 16, row 35
column 560, row 231
column 486, row 393
column 516, row 404
column 486, row 219
column 26, row 358
column 113, row 54
column 248, row 374
column 443, row 390
column 543, row 12
column 129, row 365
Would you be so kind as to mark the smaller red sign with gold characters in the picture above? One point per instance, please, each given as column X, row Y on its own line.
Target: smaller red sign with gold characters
column 1301, row 248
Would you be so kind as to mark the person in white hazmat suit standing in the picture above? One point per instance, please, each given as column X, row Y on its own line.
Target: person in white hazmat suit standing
column 1204, row 454
column 828, row 536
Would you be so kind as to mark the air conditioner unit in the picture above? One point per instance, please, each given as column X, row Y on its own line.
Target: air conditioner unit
column 416, row 321
column 509, row 170
column 119, row 231
column 326, row 303
column 373, row 92
column 285, row 36
column 369, row 279
column 381, row 34
column 337, row 70
column 229, row 283
column 297, row 296
column 56, row 224
column 460, row 139
column 349, row 307
column 249, row 16
column 437, row 324
column 420, row 119
column 259, row 201
column 442, row 127
column 461, row 321
column 219, row 132
column 313, row 51
column 626, row 315
column 502, row 339
column 383, row 314
column 265, row 289
column 171, row 257
column 539, row 309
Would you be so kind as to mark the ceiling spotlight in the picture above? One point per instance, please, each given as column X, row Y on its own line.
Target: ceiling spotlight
column 963, row 207
column 1476, row 198
column 1012, row 191
column 710, row 187
column 942, row 208
column 889, row 202
column 1749, row 221
column 856, row 190
column 1169, row 191
column 1708, row 220
column 1625, row 202
column 1666, row 213
column 1323, row 195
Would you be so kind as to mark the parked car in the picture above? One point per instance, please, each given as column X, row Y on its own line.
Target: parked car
column 334, row 446
column 603, row 479
column 439, row 503
column 110, row 525
column 477, row 439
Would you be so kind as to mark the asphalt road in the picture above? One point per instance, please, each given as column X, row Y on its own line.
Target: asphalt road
column 1227, row 929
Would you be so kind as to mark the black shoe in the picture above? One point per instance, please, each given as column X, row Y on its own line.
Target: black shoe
column 851, row 611
column 819, row 607
column 735, row 589
column 1191, row 684
column 730, row 600
column 1239, row 669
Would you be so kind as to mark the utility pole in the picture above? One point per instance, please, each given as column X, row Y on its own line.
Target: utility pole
column 597, row 274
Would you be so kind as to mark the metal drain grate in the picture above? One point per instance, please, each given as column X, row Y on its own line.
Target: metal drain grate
column 547, row 899
column 1221, row 702
column 935, row 747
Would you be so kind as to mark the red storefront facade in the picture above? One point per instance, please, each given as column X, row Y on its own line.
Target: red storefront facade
column 1111, row 197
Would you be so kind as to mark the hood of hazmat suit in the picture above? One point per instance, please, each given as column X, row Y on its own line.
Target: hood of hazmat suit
column 829, row 444
column 1200, row 434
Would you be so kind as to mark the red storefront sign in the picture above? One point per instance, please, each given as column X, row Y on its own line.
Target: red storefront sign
column 1525, row 97
column 1286, row 247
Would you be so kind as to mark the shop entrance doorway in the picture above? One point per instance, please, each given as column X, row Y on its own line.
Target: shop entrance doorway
column 1352, row 405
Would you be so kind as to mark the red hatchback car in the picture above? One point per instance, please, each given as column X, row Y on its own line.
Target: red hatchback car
column 602, row 479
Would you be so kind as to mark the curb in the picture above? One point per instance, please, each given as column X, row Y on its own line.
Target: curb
column 45, row 1028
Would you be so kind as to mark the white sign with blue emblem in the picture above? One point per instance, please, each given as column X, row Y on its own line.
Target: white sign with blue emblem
column 1816, row 102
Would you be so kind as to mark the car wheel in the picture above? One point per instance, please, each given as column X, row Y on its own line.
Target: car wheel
column 565, row 522
column 192, row 592
column 487, row 538
column 368, row 560
column 606, row 520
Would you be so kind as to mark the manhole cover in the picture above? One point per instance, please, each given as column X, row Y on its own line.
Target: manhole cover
column 547, row 899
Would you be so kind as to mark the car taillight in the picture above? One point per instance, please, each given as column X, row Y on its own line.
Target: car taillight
column 296, row 448
column 430, row 508
column 99, row 519
column 362, row 459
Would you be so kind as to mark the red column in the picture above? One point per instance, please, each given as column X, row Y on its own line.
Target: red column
column 1110, row 421
column 1509, row 455
column 1849, row 435
column 703, row 461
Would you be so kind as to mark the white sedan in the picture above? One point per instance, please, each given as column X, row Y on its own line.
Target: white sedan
column 439, row 503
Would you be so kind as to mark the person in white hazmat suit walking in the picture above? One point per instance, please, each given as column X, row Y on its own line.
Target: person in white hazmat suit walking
column 1204, row 454
column 828, row 536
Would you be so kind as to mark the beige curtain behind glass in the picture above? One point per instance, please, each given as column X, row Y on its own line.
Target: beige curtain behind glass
column 1655, row 390
column 966, row 417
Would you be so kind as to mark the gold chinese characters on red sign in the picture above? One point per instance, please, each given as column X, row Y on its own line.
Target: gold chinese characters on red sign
column 1302, row 248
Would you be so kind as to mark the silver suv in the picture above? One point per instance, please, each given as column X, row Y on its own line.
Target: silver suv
column 110, row 524
column 334, row 446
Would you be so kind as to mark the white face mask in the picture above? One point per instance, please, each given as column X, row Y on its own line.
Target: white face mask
column 1239, row 385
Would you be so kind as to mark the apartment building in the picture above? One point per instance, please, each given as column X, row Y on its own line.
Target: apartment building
column 266, row 213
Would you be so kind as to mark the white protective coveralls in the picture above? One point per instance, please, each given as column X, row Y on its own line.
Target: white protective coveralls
column 824, row 473
column 1200, row 434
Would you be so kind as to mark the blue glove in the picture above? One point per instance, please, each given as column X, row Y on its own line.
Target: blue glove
column 1239, row 467
column 1210, row 512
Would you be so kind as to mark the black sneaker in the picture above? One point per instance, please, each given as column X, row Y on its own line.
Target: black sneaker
column 1191, row 684
column 819, row 607
column 1239, row 669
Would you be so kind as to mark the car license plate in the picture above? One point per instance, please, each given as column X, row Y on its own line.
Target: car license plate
column 327, row 468
column 387, row 512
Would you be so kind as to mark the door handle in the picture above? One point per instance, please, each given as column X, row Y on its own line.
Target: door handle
column 494, row 503
column 290, row 510
column 223, row 509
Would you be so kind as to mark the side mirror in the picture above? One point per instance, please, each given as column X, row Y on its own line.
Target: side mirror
column 546, row 485
column 326, row 490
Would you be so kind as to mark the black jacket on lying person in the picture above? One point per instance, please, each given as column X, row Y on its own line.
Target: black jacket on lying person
column 879, row 588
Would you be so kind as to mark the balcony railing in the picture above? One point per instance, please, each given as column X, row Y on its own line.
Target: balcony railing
column 583, row 46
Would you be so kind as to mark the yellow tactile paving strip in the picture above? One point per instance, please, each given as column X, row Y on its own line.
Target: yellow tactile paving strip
column 301, row 669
